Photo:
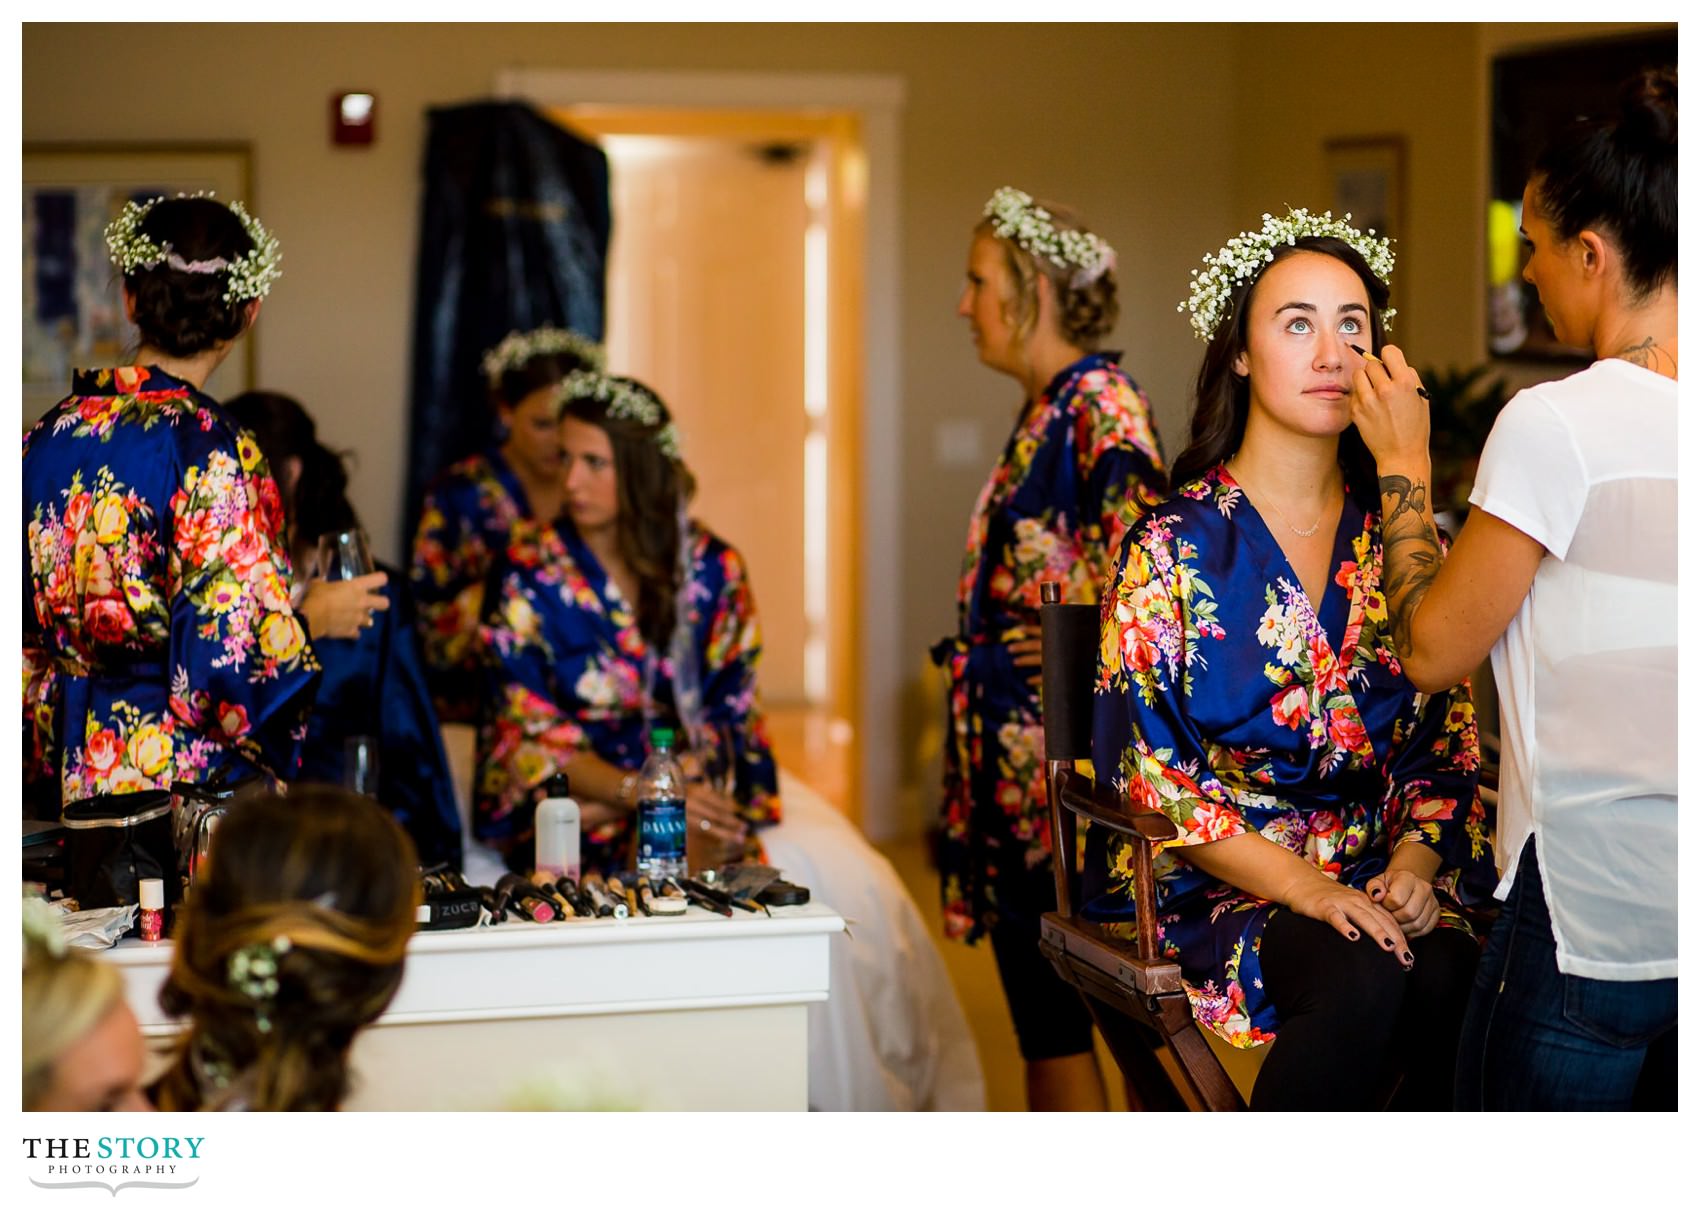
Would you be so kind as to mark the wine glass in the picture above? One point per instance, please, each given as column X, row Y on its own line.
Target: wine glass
column 345, row 554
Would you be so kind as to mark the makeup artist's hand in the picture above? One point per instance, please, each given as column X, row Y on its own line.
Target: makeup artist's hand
column 1026, row 651
column 1390, row 414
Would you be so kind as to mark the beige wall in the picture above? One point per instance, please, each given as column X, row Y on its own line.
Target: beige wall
column 1168, row 138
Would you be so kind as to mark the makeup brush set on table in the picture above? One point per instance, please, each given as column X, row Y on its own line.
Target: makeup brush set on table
column 545, row 897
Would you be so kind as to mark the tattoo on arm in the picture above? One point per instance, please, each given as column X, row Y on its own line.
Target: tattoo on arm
column 1410, row 553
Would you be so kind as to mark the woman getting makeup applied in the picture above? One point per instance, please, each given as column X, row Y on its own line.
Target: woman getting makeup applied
column 1330, row 830
column 1082, row 460
column 626, row 613
column 1566, row 571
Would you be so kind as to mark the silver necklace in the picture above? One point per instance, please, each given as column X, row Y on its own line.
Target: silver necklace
column 1302, row 534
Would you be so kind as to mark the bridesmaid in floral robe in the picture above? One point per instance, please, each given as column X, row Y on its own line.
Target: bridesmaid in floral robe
column 591, row 637
column 472, row 510
column 159, row 641
column 1081, row 463
column 1330, row 831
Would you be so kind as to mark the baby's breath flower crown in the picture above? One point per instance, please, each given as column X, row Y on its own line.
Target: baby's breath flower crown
column 250, row 276
column 1243, row 258
column 624, row 401
column 1015, row 216
column 517, row 349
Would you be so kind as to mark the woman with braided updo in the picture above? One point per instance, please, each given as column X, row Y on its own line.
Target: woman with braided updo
column 293, row 941
column 1080, row 464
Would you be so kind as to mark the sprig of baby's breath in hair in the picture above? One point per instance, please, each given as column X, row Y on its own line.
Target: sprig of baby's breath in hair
column 43, row 924
column 249, row 276
column 252, row 972
column 517, row 349
column 623, row 401
column 1243, row 258
column 1015, row 216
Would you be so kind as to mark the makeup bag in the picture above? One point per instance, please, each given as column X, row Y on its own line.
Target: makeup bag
column 114, row 842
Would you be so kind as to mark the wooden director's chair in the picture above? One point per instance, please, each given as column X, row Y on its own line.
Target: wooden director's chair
column 1135, row 996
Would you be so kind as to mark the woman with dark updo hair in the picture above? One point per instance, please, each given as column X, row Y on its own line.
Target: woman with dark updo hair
column 1565, row 572
column 622, row 615
column 1080, row 464
column 374, row 684
column 160, row 643
column 294, row 941
column 470, row 512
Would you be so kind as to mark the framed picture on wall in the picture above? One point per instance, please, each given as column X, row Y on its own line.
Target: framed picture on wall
column 1366, row 179
column 73, row 302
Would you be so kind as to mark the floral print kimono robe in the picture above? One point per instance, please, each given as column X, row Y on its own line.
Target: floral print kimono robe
column 1230, row 702
column 159, row 641
column 1080, row 465
column 569, row 671
column 465, row 524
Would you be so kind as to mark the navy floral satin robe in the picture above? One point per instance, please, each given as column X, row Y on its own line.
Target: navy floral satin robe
column 159, row 643
column 570, row 671
column 1080, row 465
column 1230, row 702
column 374, row 685
column 466, row 522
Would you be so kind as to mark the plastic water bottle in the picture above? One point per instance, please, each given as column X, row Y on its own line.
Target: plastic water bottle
column 661, row 810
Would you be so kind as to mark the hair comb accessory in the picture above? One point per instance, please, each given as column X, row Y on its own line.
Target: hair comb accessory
column 517, row 349
column 250, row 276
column 1244, row 257
column 1015, row 216
column 624, row 401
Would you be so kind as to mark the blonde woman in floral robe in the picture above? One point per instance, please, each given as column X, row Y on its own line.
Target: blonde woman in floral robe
column 1081, row 462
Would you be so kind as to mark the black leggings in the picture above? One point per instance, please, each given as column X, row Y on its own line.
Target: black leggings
column 1351, row 1018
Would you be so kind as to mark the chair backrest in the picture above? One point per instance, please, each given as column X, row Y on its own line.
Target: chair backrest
column 1070, row 655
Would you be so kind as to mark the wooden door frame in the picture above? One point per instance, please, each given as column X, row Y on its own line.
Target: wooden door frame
column 873, row 670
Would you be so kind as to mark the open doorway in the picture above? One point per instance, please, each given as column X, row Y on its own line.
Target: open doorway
column 734, row 289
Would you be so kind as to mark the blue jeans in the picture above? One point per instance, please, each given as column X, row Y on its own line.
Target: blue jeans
column 1536, row 1039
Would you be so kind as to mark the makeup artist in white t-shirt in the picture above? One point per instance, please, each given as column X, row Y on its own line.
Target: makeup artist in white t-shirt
column 1566, row 570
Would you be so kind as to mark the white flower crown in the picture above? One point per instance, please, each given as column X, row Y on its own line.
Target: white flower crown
column 1015, row 216
column 250, row 276
column 624, row 401
column 517, row 349
column 1244, row 257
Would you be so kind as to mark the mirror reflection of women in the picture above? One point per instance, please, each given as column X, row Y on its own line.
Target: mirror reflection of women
column 1565, row 572
column 471, row 511
column 622, row 615
column 161, row 644
column 1330, row 831
column 1081, row 461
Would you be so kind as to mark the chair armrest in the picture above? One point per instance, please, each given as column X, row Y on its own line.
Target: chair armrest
column 1111, row 809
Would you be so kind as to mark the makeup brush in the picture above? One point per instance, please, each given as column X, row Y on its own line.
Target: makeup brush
column 1363, row 353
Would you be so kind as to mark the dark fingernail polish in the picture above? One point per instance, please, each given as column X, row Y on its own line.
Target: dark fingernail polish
column 1351, row 934
column 1389, row 942
column 1408, row 958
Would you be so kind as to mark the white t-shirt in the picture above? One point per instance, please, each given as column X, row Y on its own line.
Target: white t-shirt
column 1587, row 671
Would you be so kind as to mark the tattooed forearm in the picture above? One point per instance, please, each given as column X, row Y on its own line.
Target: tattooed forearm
column 1410, row 553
